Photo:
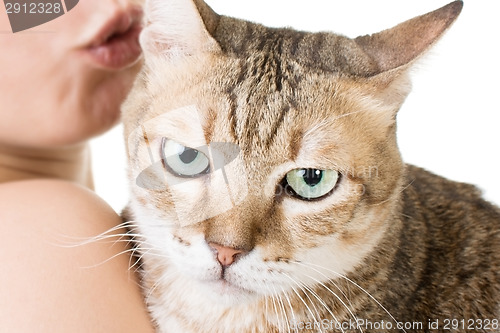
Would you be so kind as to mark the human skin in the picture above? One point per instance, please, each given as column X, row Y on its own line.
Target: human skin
column 53, row 98
column 51, row 93
column 51, row 283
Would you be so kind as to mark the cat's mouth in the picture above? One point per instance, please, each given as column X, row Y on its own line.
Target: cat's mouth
column 224, row 287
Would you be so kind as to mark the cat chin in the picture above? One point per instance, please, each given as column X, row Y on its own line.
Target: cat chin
column 227, row 294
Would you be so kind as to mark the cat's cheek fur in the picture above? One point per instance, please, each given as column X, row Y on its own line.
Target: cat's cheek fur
column 328, row 256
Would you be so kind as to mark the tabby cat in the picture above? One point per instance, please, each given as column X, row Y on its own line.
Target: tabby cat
column 268, row 192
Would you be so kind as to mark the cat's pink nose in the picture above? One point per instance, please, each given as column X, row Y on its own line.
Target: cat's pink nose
column 225, row 255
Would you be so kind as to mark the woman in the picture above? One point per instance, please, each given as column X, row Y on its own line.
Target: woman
column 61, row 84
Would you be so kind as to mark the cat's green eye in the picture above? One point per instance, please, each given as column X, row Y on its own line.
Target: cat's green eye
column 183, row 161
column 309, row 184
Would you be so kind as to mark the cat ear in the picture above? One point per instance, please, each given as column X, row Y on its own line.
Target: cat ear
column 398, row 47
column 178, row 27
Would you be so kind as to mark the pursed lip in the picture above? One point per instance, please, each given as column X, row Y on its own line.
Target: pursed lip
column 116, row 44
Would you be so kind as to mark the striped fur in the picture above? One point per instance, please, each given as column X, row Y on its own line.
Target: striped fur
column 390, row 243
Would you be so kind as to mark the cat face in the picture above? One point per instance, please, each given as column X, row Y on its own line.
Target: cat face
column 258, row 200
column 263, row 160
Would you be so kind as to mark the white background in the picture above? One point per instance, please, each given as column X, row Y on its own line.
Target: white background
column 450, row 122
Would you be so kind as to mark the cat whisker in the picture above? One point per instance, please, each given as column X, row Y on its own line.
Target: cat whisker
column 348, row 299
column 75, row 241
column 156, row 285
column 127, row 251
column 349, row 114
column 275, row 307
column 151, row 290
column 280, row 311
column 292, row 312
column 283, row 310
column 313, row 293
column 310, row 265
column 150, row 251
column 338, row 298
column 157, row 225
column 333, row 293
column 137, row 264
column 399, row 192
column 133, row 254
column 316, row 320
column 325, row 306
column 138, row 261
column 308, row 291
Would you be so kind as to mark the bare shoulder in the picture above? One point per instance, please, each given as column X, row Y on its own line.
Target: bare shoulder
column 51, row 196
column 52, row 278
